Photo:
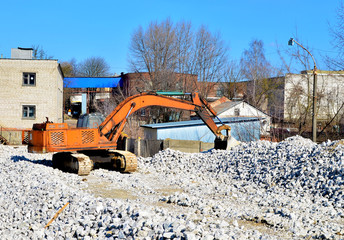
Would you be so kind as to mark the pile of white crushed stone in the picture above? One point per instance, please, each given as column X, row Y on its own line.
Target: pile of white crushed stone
column 259, row 190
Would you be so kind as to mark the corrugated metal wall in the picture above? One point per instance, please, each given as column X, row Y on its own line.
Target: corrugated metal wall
column 241, row 130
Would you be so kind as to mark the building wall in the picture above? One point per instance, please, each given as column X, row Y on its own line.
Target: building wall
column 299, row 94
column 133, row 83
column 188, row 83
column 246, row 110
column 241, row 130
column 269, row 95
column 46, row 95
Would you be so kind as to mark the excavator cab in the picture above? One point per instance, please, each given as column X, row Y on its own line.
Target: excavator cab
column 90, row 120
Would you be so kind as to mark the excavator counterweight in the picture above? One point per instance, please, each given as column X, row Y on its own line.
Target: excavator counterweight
column 79, row 150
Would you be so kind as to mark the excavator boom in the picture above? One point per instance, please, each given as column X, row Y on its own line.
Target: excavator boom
column 136, row 102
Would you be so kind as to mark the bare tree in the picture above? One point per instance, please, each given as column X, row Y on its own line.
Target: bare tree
column 94, row 67
column 232, row 81
column 337, row 32
column 165, row 49
column 209, row 59
column 69, row 68
column 39, row 53
column 153, row 51
column 184, row 56
column 258, row 70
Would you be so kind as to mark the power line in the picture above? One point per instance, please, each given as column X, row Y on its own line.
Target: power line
column 321, row 50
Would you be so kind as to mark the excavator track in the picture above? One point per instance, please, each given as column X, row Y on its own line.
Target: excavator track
column 73, row 163
column 124, row 161
column 85, row 164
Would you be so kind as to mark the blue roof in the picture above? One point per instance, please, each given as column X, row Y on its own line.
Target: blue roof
column 93, row 82
column 200, row 122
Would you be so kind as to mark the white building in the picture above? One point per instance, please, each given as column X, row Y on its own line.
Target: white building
column 31, row 90
column 293, row 96
column 299, row 93
column 229, row 109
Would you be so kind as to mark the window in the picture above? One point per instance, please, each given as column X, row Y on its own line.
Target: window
column 236, row 112
column 29, row 111
column 219, row 92
column 29, row 79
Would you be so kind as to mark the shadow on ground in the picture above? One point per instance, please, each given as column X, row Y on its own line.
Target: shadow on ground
column 44, row 162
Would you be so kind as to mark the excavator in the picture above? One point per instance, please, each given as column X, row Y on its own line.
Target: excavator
column 79, row 150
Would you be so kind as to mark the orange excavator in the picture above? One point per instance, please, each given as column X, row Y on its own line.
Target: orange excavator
column 79, row 150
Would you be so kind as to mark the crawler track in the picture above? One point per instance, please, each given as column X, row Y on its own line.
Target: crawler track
column 83, row 163
column 124, row 161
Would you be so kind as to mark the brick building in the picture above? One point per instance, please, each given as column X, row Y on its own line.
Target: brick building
column 31, row 90
column 133, row 83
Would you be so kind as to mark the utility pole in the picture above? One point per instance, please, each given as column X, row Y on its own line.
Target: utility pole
column 314, row 118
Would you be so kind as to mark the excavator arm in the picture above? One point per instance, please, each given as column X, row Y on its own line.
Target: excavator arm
column 114, row 123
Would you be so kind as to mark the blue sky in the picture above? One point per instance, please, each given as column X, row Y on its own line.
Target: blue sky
column 69, row 29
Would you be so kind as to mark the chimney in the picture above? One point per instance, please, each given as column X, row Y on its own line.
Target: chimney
column 21, row 53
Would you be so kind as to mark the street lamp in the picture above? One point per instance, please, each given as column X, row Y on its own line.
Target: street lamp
column 314, row 119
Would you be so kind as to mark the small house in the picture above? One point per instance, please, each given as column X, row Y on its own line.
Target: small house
column 242, row 109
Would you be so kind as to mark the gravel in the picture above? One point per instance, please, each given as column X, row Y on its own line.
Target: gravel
column 259, row 190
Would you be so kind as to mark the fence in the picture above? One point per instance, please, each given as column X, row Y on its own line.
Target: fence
column 147, row 147
column 14, row 136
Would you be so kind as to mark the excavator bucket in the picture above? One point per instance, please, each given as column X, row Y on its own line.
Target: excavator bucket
column 226, row 144
column 223, row 142
column 231, row 142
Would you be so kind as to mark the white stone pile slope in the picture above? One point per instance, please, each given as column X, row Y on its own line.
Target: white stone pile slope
column 259, row 190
